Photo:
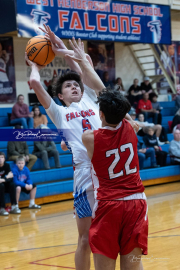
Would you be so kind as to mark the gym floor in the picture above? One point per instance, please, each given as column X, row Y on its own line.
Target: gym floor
column 47, row 238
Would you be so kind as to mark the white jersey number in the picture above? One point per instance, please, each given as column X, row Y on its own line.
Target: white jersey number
column 117, row 159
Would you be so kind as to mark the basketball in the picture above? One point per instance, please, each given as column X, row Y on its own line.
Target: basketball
column 39, row 51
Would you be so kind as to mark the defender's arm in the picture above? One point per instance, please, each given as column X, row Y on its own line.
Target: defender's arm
column 90, row 77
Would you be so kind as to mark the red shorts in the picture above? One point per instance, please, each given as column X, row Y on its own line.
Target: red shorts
column 119, row 227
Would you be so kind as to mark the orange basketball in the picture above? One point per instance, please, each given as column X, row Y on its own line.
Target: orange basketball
column 39, row 51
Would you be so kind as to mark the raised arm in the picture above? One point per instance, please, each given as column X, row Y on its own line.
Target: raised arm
column 42, row 95
column 90, row 77
column 60, row 49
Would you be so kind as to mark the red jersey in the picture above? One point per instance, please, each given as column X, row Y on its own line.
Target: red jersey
column 115, row 165
column 145, row 105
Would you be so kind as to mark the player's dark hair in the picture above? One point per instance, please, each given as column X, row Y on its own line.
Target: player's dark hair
column 114, row 105
column 67, row 76
column 2, row 154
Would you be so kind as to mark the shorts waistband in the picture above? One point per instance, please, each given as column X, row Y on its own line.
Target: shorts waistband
column 82, row 165
column 136, row 196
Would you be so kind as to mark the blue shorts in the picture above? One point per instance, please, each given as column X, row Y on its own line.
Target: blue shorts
column 83, row 191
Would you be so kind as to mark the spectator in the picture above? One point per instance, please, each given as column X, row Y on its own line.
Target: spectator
column 150, row 140
column 158, row 129
column 23, row 182
column 135, row 93
column 7, row 186
column 146, row 86
column 144, row 153
column 156, row 106
column 177, row 85
column 18, row 148
column 119, row 86
column 176, row 120
column 132, row 113
column 21, row 115
column 45, row 149
column 176, row 127
column 106, row 81
column 174, row 147
column 40, row 119
column 145, row 107
column 177, row 101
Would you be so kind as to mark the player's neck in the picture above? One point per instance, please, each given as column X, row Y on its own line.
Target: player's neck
column 68, row 103
column 105, row 124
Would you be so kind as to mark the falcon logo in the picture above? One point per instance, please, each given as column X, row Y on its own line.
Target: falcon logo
column 155, row 26
column 39, row 18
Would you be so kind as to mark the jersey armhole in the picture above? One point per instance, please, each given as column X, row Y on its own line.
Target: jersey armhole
column 95, row 134
column 55, row 113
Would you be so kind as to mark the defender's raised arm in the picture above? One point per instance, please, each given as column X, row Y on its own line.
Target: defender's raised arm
column 90, row 77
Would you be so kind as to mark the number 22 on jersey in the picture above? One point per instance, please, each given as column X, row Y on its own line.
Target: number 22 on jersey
column 115, row 152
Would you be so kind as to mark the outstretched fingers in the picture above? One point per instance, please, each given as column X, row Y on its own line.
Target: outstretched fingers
column 79, row 43
column 49, row 29
column 43, row 30
column 82, row 46
column 75, row 43
column 46, row 27
column 72, row 44
column 76, row 46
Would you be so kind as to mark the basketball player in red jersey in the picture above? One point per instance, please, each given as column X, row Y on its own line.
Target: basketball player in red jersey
column 119, row 220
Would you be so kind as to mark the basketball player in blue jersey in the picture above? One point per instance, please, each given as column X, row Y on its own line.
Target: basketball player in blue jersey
column 81, row 113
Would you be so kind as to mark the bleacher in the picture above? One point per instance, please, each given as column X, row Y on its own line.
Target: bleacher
column 57, row 184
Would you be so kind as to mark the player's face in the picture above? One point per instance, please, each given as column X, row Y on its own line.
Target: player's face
column 2, row 159
column 71, row 92
column 20, row 164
